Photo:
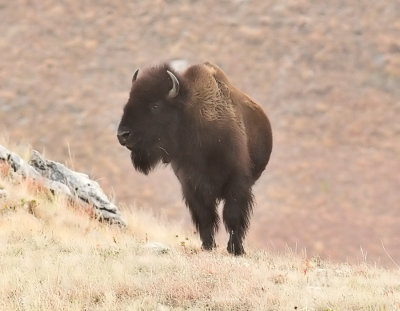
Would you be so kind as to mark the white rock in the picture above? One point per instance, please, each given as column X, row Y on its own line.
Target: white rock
column 3, row 194
column 60, row 179
column 79, row 185
column 157, row 247
column 179, row 65
column 3, row 153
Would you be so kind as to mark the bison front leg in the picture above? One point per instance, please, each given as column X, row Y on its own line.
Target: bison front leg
column 236, row 214
column 204, row 215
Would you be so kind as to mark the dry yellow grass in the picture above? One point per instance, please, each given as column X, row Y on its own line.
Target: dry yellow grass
column 54, row 257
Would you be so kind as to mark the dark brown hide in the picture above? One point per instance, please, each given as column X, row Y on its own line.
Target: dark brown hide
column 216, row 138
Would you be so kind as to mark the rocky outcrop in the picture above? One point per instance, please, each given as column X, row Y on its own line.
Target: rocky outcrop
column 59, row 179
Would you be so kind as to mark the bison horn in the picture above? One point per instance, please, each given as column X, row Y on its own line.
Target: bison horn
column 135, row 75
column 175, row 85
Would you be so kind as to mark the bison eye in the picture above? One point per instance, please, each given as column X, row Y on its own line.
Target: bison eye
column 155, row 106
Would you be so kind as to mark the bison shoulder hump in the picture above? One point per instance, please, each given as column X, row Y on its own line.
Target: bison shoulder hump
column 211, row 92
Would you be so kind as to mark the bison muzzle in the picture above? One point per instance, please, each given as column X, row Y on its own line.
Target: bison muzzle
column 216, row 138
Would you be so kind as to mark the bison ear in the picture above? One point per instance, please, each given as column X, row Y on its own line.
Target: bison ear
column 174, row 91
column 135, row 75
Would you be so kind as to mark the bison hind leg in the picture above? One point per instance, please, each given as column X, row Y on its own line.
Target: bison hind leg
column 235, row 245
column 236, row 214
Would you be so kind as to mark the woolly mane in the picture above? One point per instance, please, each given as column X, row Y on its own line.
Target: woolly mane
column 212, row 95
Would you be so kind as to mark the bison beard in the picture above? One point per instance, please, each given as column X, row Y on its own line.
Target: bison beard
column 217, row 140
column 144, row 161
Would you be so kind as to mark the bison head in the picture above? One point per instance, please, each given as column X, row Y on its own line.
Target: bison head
column 149, row 124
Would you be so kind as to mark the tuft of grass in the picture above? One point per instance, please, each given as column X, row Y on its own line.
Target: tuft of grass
column 53, row 256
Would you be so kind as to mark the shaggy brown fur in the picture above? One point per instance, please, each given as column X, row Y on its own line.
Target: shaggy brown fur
column 216, row 138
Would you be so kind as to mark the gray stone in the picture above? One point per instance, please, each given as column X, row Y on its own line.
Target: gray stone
column 157, row 247
column 80, row 186
column 60, row 179
column 19, row 166
column 3, row 194
column 3, row 153
column 22, row 169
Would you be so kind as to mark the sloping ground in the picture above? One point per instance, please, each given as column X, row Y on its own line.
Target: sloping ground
column 53, row 257
column 328, row 75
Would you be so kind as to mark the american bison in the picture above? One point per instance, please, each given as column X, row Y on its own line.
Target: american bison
column 216, row 138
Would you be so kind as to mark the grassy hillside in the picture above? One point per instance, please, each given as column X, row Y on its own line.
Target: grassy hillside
column 327, row 74
column 54, row 257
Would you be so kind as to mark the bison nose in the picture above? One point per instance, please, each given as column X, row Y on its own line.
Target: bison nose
column 123, row 136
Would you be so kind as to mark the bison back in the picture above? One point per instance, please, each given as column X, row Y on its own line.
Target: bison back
column 259, row 134
column 256, row 123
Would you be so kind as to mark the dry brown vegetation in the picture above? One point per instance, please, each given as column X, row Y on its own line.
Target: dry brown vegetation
column 328, row 75
column 326, row 72
column 53, row 256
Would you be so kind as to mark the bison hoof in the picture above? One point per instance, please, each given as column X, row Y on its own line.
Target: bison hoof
column 208, row 246
column 235, row 249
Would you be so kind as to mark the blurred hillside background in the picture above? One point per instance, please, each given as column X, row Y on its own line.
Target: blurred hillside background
column 326, row 73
